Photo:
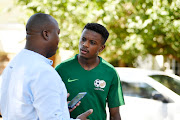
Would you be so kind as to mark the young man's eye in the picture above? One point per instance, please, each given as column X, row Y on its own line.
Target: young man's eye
column 83, row 39
column 93, row 43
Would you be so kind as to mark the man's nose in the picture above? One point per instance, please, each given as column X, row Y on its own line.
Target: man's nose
column 86, row 44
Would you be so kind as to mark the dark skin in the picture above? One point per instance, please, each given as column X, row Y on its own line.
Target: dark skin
column 40, row 39
column 90, row 45
column 43, row 37
column 114, row 113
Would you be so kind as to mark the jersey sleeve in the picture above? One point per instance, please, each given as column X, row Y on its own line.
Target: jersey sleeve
column 115, row 95
column 58, row 68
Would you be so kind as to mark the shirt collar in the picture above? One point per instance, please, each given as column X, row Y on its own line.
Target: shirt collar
column 50, row 62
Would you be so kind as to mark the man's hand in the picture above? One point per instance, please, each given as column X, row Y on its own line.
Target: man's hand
column 70, row 110
column 84, row 115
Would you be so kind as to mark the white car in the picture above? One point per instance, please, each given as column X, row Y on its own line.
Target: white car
column 147, row 96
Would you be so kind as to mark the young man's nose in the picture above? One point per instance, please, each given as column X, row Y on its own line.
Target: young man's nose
column 86, row 44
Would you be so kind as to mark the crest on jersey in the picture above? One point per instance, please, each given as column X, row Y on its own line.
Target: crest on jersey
column 99, row 84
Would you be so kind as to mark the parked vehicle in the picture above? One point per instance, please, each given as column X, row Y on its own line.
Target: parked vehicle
column 149, row 95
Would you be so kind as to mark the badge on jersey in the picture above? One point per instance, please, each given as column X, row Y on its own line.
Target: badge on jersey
column 99, row 84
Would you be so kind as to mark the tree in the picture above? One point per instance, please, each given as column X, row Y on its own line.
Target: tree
column 136, row 27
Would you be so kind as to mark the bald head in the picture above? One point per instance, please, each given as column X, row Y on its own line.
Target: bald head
column 39, row 22
column 42, row 34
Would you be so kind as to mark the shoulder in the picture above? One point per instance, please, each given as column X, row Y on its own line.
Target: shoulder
column 66, row 63
column 43, row 73
column 107, row 66
column 42, row 68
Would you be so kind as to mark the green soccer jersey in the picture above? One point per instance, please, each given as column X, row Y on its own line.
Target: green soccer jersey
column 102, row 85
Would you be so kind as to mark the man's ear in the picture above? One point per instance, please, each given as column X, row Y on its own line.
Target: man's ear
column 102, row 48
column 45, row 34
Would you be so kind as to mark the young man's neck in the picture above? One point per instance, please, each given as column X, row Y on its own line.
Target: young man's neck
column 88, row 64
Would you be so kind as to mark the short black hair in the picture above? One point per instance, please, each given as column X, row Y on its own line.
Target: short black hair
column 99, row 29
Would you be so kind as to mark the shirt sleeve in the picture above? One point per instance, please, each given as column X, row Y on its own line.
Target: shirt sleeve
column 50, row 96
column 115, row 95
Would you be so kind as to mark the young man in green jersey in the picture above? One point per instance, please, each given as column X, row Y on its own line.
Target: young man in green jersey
column 87, row 72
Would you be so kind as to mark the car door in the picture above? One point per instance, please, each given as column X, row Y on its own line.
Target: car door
column 139, row 102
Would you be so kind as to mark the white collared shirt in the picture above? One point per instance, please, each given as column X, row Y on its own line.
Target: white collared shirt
column 32, row 90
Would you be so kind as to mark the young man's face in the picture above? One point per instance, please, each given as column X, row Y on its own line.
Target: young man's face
column 90, row 44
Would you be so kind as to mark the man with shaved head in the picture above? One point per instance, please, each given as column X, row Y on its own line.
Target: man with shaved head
column 31, row 88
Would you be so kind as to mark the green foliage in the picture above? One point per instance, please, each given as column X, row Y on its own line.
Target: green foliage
column 137, row 27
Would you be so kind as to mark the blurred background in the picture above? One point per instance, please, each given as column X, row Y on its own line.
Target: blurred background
column 143, row 33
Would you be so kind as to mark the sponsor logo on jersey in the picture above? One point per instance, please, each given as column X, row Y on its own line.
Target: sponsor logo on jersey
column 72, row 80
column 99, row 84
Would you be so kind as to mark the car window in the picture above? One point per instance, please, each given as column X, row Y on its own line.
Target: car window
column 137, row 89
column 169, row 82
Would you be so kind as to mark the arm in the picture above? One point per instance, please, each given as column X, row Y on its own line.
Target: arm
column 115, row 98
column 49, row 95
column 114, row 113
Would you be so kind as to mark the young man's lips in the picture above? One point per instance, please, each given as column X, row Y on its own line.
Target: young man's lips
column 84, row 51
